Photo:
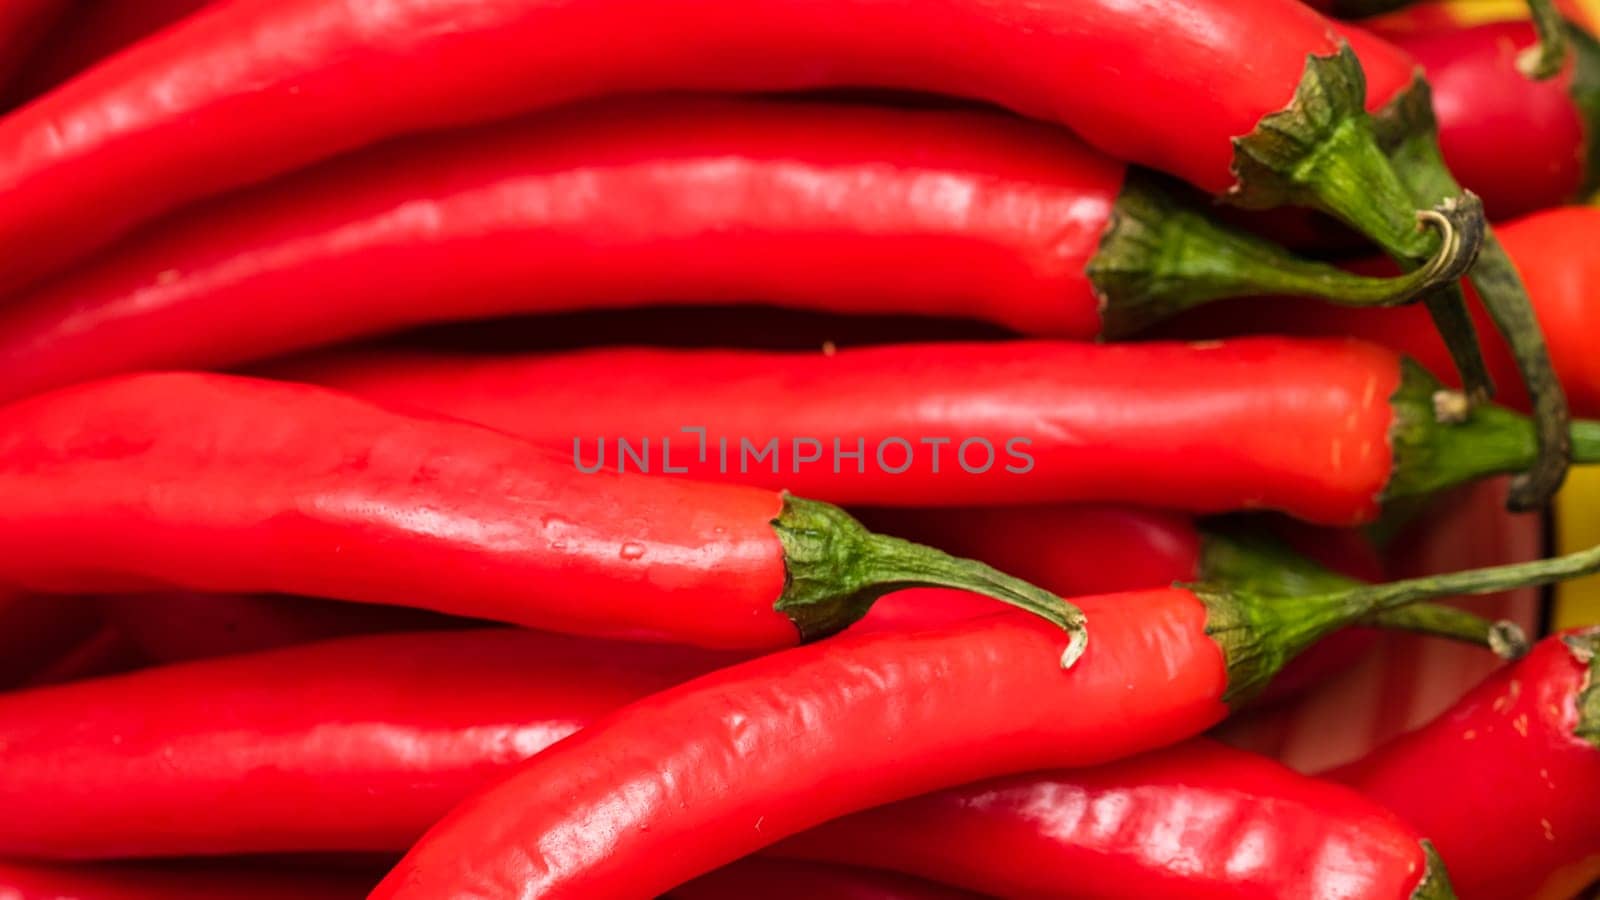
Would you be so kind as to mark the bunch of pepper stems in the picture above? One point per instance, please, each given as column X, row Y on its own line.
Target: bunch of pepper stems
column 420, row 478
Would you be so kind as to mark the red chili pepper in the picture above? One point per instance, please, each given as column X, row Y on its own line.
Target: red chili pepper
column 816, row 206
column 337, row 712
column 179, row 626
column 381, row 735
column 260, row 87
column 774, row 879
column 1324, row 430
column 1552, row 250
column 220, row 484
column 1504, row 782
column 699, row 775
column 1522, row 145
column 29, row 881
column 1199, row 820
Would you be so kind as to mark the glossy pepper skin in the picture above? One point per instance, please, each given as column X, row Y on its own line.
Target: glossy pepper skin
column 1197, row 820
column 1520, row 144
column 821, row 207
column 776, row 879
column 222, row 484
column 380, row 734
column 704, row 773
column 261, row 87
column 1553, row 251
column 1306, row 427
column 31, row 881
column 697, row 776
column 1504, row 781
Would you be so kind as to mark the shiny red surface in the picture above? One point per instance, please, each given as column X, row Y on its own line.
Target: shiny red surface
column 833, row 208
column 220, row 484
column 262, row 87
column 28, row 881
column 1500, row 783
column 1198, row 820
column 353, row 744
column 1554, row 253
column 776, row 879
column 1517, row 142
column 1298, row 426
column 697, row 776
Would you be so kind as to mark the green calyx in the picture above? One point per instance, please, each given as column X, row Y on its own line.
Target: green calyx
column 1435, row 883
column 1585, row 93
column 1585, row 648
column 1266, row 604
column 1160, row 256
column 1409, row 134
column 835, row 569
column 1438, row 442
column 1323, row 151
column 1546, row 57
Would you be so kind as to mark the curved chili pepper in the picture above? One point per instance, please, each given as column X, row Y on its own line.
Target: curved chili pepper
column 818, row 206
column 1488, row 113
column 214, row 483
column 1323, row 430
column 775, row 879
column 699, row 775
column 1198, row 820
column 380, row 734
column 1552, row 249
column 1409, row 134
column 179, row 626
column 1504, row 782
column 31, row 881
column 261, row 87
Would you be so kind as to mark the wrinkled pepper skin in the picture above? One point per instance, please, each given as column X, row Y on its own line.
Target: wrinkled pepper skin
column 1199, row 820
column 776, row 879
column 697, row 776
column 1195, row 427
column 262, row 87
column 1519, row 143
column 380, row 735
column 825, row 207
column 220, row 484
column 29, row 881
column 1553, row 252
column 1502, row 782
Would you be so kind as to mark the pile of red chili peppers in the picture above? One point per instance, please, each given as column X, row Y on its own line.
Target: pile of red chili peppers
column 519, row 449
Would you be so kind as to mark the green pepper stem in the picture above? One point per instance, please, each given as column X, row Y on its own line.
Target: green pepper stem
column 836, row 569
column 1324, row 151
column 1409, row 133
column 1160, row 256
column 1503, row 638
column 1544, row 59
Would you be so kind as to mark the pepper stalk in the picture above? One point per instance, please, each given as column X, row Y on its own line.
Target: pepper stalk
column 1323, row 151
column 1409, row 133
